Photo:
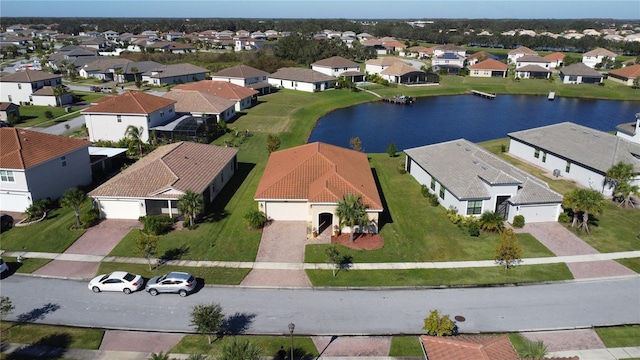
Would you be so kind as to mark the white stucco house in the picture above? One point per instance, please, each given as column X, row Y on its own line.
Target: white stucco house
column 532, row 67
column 35, row 166
column 153, row 185
column 243, row 97
column 376, row 66
column 33, row 87
column 514, row 54
column 580, row 73
column 575, row 152
column 305, row 183
column 174, row 74
column 110, row 117
column 596, row 56
column 626, row 75
column 335, row 66
column 301, row 79
column 246, row 76
column 472, row 180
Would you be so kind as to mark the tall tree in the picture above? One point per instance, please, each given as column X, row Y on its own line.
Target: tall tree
column 625, row 191
column 134, row 134
column 619, row 173
column 586, row 201
column 146, row 245
column 6, row 307
column 191, row 204
column 352, row 212
column 508, row 251
column 437, row 325
column 73, row 198
column 207, row 319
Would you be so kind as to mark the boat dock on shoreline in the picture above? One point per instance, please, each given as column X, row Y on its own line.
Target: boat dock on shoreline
column 483, row 94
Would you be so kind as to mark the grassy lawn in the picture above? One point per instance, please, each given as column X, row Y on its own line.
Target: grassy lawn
column 620, row 336
column 633, row 263
column 616, row 229
column 46, row 335
column 34, row 115
column 210, row 275
column 405, row 346
column 50, row 235
column 439, row 277
column 28, row 265
column 198, row 344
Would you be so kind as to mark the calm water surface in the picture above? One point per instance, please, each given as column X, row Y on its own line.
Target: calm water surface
column 436, row 119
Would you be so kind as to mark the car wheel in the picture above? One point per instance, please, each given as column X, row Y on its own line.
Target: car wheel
column 126, row 291
column 153, row 292
column 182, row 293
column 95, row 289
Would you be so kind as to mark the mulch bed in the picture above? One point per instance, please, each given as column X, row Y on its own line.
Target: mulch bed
column 360, row 241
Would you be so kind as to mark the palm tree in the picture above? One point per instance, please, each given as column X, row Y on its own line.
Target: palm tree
column 625, row 191
column 58, row 91
column 239, row 349
column 587, row 201
column 491, row 221
column 191, row 204
column 570, row 201
column 618, row 174
column 352, row 212
column 73, row 198
column 134, row 134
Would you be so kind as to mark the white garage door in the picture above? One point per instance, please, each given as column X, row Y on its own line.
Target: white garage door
column 14, row 202
column 113, row 209
column 288, row 211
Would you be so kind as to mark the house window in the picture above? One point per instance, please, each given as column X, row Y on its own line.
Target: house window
column 30, row 98
column 573, row 78
column 474, row 207
column 442, row 189
column 222, row 177
column 433, row 184
column 536, row 153
column 161, row 113
column 19, row 86
column 7, row 176
column 476, row 72
column 63, row 160
column 170, row 110
column 544, row 157
column 9, row 98
column 119, row 118
column 567, row 167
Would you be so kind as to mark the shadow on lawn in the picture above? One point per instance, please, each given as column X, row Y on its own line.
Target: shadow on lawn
column 49, row 347
column 216, row 211
column 385, row 216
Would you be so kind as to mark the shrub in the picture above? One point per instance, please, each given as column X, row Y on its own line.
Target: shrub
column 474, row 229
column 48, row 114
column 564, row 218
column 255, row 219
column 90, row 217
column 491, row 221
column 38, row 208
column 437, row 325
column 518, row 221
column 156, row 224
column 503, row 148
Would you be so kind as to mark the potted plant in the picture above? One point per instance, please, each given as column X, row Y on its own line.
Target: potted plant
column 315, row 232
column 336, row 230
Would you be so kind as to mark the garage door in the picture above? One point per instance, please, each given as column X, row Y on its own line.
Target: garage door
column 113, row 209
column 14, row 202
column 288, row 211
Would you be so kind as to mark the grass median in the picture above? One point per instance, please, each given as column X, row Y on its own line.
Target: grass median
column 270, row 345
column 210, row 275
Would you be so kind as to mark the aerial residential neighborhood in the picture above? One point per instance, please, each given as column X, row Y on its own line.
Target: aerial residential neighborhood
column 206, row 158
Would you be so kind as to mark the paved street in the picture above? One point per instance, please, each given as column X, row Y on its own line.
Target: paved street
column 334, row 312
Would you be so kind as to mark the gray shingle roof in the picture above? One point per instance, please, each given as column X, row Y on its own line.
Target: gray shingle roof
column 301, row 74
column 580, row 69
column 465, row 168
column 592, row 148
column 335, row 62
column 241, row 72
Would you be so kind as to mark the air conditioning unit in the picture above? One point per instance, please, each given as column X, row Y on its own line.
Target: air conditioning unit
column 556, row 172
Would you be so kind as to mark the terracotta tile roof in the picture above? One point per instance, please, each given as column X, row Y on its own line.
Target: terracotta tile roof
column 22, row 149
column 629, row 72
column 318, row 173
column 198, row 102
column 468, row 347
column 555, row 56
column 395, row 44
column 131, row 102
column 222, row 89
column 399, row 69
column 28, row 76
column 181, row 166
column 490, row 64
column 241, row 72
column 335, row 62
column 479, row 54
column 301, row 74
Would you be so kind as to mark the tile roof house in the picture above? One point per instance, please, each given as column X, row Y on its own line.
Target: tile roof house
column 35, row 166
column 514, row 54
column 449, row 49
column 103, row 69
column 468, row 347
column 22, row 88
column 154, row 183
column 246, row 76
column 305, row 183
column 375, row 66
column 626, row 75
column 596, row 56
column 450, row 61
column 8, row 109
column 301, row 79
column 243, row 97
column 575, row 152
column 336, row 66
column 174, row 74
column 556, row 58
column 580, row 73
column 489, row 68
column 479, row 56
column 199, row 103
column 472, row 180
column 110, row 117
column 403, row 73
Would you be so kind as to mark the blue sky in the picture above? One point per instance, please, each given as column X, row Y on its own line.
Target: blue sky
column 353, row 9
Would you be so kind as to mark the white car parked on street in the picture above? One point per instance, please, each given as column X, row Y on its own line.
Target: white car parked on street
column 116, row 281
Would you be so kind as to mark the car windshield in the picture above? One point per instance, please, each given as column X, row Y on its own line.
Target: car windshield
column 162, row 278
column 129, row 277
column 191, row 279
column 104, row 277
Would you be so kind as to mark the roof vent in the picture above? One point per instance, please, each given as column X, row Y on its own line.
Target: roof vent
column 467, row 149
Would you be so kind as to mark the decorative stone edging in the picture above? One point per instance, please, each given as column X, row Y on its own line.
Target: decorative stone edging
column 22, row 223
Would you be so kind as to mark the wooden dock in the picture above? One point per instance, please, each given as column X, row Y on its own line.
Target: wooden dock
column 483, row 94
column 552, row 95
column 400, row 99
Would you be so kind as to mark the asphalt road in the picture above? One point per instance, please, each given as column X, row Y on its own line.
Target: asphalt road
column 332, row 312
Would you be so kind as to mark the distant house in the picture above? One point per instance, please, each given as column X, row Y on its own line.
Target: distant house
column 376, row 66
column 246, row 76
column 109, row 119
column 202, row 104
column 468, row 347
column 514, row 54
column 449, row 49
column 556, row 59
column 451, row 62
column 626, row 75
column 532, row 67
column 174, row 74
column 104, row 69
column 479, row 56
column 472, row 180
column 489, row 68
column 33, row 87
column 575, row 152
column 305, row 183
column 35, row 166
column 338, row 66
column 8, row 110
column 580, row 73
column 402, row 73
column 243, row 97
column 597, row 56
column 172, row 47
column 301, row 79
column 153, row 185
column 419, row 52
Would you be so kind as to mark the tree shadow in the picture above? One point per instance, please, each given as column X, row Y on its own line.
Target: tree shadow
column 237, row 323
column 385, row 216
column 13, row 268
column 333, row 338
column 52, row 346
column 216, row 211
column 175, row 253
column 37, row 314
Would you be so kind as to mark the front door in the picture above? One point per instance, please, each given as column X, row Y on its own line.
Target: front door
column 502, row 206
column 325, row 220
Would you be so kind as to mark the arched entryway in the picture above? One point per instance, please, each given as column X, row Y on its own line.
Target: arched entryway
column 325, row 221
